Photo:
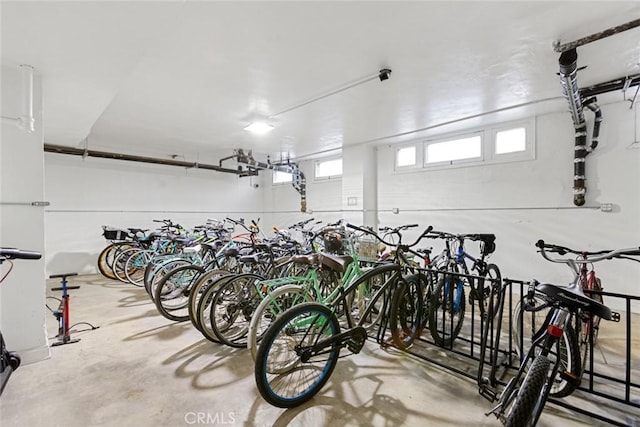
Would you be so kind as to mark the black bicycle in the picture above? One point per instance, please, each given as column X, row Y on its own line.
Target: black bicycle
column 299, row 351
column 525, row 395
column 9, row 360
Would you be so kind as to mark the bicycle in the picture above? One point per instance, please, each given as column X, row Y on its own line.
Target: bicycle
column 525, row 395
column 530, row 312
column 448, row 302
column 299, row 351
column 235, row 302
column 9, row 360
column 286, row 292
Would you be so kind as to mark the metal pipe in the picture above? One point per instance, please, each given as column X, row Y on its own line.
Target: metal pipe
column 568, row 79
column 591, row 104
column 61, row 149
column 597, row 36
column 27, row 121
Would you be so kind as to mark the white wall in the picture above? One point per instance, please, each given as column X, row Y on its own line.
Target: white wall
column 88, row 193
column 522, row 202
column 22, row 294
column 281, row 202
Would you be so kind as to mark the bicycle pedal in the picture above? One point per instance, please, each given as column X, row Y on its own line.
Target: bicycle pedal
column 570, row 377
column 356, row 340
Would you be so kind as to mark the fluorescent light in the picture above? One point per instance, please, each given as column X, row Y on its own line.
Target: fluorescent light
column 259, row 128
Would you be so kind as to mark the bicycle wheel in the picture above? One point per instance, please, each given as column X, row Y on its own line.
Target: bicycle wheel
column 405, row 314
column 106, row 257
column 490, row 292
column 203, row 313
column 159, row 271
column 524, row 327
column 172, row 293
column 135, row 267
column 366, row 301
column 287, row 371
column 232, row 308
column 446, row 310
column 198, row 289
column 272, row 306
column 119, row 261
column 530, row 398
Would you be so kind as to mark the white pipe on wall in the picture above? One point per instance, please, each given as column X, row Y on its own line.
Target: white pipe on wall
column 26, row 121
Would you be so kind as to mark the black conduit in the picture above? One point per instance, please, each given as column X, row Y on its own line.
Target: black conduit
column 570, row 91
column 591, row 104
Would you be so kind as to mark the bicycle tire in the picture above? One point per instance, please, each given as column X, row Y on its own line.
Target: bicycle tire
column 207, row 279
column 119, row 262
column 135, row 267
column 283, row 378
column 272, row 306
column 444, row 329
column 490, row 295
column 232, row 308
column 106, row 256
column 159, row 272
column 204, row 308
column 530, row 398
column 405, row 314
column 172, row 293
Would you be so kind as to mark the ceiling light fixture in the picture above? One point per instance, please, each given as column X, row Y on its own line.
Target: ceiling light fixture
column 261, row 127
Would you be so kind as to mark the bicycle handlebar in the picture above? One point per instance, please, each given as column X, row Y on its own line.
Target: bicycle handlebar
column 371, row 232
column 588, row 257
column 14, row 253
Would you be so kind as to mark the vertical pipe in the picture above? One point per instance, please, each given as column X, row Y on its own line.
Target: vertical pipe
column 27, row 121
column 579, row 188
column 568, row 79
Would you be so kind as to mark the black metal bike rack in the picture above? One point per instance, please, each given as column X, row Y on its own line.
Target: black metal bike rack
column 488, row 346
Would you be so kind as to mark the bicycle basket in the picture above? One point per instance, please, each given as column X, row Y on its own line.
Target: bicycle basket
column 488, row 247
column 114, row 233
column 367, row 249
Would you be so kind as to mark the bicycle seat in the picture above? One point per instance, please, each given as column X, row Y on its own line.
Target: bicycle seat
column 569, row 297
column 231, row 252
column 337, row 263
column 305, row 259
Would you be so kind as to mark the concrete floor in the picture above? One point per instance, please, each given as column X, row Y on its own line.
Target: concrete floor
column 139, row 369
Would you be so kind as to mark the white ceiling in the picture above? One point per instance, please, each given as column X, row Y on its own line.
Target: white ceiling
column 163, row 78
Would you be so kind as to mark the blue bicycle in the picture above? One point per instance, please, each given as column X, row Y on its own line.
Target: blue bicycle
column 448, row 302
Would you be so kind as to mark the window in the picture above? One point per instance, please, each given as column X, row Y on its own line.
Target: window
column 452, row 150
column 511, row 141
column 328, row 168
column 281, row 177
column 406, row 157
column 506, row 142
